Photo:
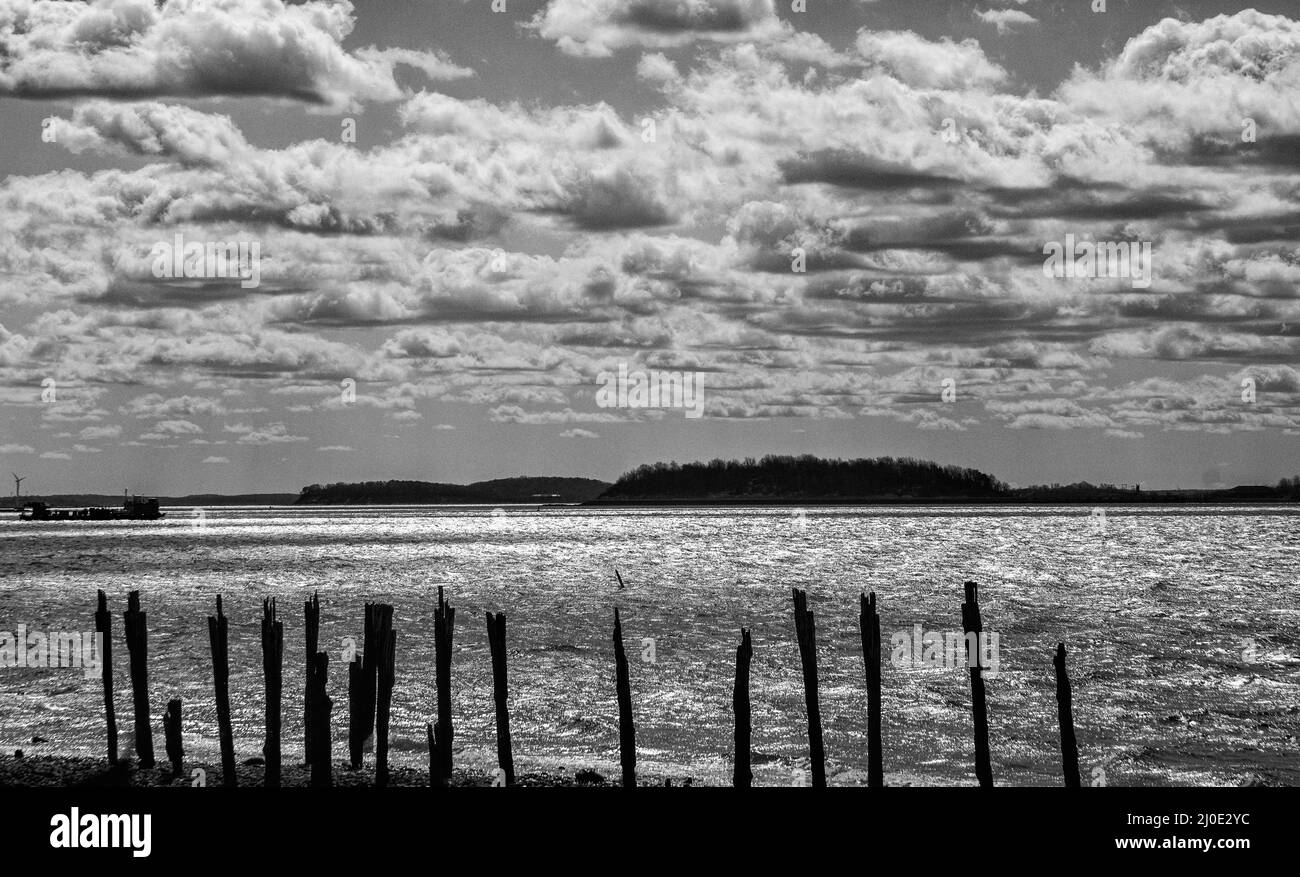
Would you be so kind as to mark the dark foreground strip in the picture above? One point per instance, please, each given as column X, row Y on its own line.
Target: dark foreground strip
column 1007, row 826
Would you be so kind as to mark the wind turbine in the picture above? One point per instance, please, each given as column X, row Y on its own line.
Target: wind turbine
column 18, row 486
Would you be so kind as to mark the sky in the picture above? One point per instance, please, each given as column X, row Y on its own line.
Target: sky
column 834, row 220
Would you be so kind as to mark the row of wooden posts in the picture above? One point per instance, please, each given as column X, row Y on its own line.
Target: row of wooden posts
column 371, row 678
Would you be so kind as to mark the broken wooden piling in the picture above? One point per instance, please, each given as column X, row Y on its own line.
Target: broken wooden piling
column 311, row 637
column 869, row 624
column 1065, row 712
column 436, row 779
column 104, row 635
column 385, row 677
column 322, row 768
column 806, row 629
column 137, row 646
column 272, row 672
column 496, row 627
column 172, row 736
column 444, row 627
column 626, row 727
column 742, row 775
column 378, row 620
column 357, row 730
column 218, row 637
column 971, row 624
column 363, row 679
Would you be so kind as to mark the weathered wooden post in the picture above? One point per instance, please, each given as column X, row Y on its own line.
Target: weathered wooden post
column 806, row 629
column 1065, row 712
column 444, row 626
column 361, row 704
column 743, row 777
column 311, row 636
column 137, row 646
column 385, row 678
column 363, row 679
column 974, row 630
column 104, row 635
column 272, row 671
column 218, row 638
column 320, row 757
column 869, row 623
column 172, row 736
column 378, row 619
column 496, row 627
column 626, row 727
column 357, row 730
column 436, row 779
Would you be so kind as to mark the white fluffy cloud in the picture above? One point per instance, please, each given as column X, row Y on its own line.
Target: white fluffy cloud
column 916, row 61
column 196, row 48
column 1178, row 81
column 1005, row 20
column 502, row 254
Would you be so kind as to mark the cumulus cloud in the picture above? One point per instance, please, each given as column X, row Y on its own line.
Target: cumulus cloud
column 501, row 254
column 1005, row 20
column 197, row 48
column 272, row 433
column 1182, row 82
column 598, row 28
column 914, row 60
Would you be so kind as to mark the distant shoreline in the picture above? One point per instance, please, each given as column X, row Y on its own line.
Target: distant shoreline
column 774, row 480
column 724, row 502
column 711, row 502
column 100, row 500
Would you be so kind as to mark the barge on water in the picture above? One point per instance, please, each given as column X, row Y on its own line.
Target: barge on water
column 134, row 508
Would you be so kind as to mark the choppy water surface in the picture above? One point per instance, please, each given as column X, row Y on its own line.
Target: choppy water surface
column 1183, row 626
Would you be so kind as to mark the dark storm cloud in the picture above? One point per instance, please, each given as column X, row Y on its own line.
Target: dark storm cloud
column 855, row 170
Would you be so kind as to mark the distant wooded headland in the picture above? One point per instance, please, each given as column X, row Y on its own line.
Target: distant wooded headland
column 780, row 480
column 808, row 480
column 773, row 480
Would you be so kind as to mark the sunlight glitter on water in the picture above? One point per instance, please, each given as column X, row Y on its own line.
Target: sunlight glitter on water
column 1181, row 624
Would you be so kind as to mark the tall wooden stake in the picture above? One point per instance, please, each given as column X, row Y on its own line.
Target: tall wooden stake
column 273, row 673
column 626, row 728
column 496, row 627
column 321, row 758
column 971, row 624
column 378, row 620
column 444, row 627
column 104, row 634
column 743, row 776
column 311, row 637
column 137, row 645
column 385, row 678
column 869, row 623
column 1065, row 712
column 357, row 730
column 218, row 637
column 806, row 629
column 363, row 679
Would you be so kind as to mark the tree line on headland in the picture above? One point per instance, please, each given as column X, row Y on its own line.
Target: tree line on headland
column 806, row 476
column 779, row 479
